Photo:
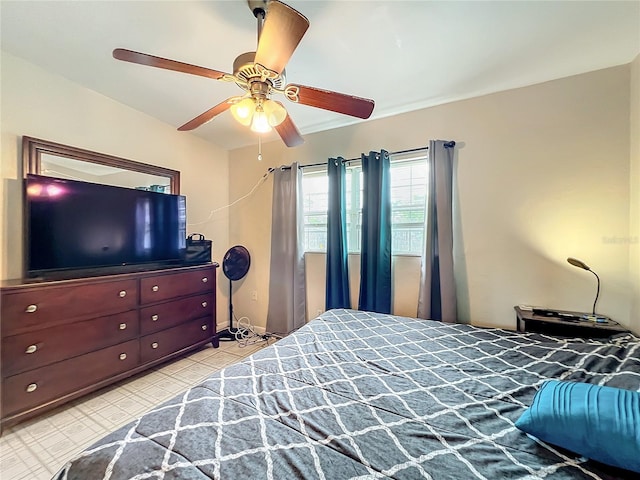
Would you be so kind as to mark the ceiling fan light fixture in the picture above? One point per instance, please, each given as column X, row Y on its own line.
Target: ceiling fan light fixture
column 243, row 111
column 275, row 111
column 260, row 114
column 260, row 122
column 260, row 74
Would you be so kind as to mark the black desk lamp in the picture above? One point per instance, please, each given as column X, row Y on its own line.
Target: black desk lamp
column 580, row 264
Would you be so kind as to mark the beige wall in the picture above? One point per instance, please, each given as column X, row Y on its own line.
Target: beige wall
column 542, row 174
column 634, row 219
column 39, row 104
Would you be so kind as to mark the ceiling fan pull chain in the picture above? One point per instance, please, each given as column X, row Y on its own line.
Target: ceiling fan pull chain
column 259, row 148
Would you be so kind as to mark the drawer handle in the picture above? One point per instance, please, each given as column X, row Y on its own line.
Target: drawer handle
column 123, row 356
column 205, row 279
column 31, row 349
column 122, row 326
column 155, row 288
column 31, row 308
column 154, row 318
column 204, row 327
column 32, row 387
column 204, row 304
column 154, row 345
column 123, row 293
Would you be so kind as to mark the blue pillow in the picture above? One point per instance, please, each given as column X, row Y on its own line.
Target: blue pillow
column 601, row 423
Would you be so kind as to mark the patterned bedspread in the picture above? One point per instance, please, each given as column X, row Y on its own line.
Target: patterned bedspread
column 362, row 395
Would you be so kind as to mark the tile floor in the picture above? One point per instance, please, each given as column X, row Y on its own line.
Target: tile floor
column 38, row 448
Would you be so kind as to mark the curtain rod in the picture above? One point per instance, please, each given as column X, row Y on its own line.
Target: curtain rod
column 400, row 152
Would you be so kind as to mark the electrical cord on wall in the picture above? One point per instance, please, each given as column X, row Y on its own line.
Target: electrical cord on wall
column 251, row 192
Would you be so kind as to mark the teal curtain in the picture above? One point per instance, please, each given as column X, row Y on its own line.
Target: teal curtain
column 375, row 260
column 337, row 286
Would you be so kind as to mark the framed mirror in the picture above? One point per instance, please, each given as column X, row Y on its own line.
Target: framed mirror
column 50, row 159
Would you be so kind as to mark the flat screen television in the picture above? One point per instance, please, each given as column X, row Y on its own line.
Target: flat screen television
column 75, row 228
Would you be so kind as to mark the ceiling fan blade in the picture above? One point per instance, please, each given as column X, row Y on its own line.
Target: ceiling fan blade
column 283, row 29
column 328, row 100
column 207, row 116
column 159, row 62
column 289, row 133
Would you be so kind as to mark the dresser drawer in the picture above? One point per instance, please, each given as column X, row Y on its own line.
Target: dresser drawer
column 168, row 314
column 165, row 287
column 42, row 347
column 36, row 387
column 166, row 342
column 39, row 307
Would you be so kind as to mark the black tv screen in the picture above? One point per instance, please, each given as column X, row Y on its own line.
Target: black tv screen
column 73, row 225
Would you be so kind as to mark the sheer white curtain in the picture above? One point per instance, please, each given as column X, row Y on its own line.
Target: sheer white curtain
column 437, row 298
column 287, row 308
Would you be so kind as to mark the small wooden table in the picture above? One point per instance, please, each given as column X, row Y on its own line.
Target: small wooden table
column 566, row 323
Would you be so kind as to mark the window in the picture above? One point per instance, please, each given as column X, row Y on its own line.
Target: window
column 408, row 197
column 315, row 186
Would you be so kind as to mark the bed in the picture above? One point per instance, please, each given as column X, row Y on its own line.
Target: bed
column 363, row 395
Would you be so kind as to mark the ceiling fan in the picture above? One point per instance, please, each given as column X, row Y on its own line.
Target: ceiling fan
column 261, row 74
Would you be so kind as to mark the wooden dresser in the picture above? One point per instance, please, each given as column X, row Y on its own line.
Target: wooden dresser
column 63, row 339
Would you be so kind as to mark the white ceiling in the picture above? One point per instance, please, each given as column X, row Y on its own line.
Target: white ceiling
column 405, row 55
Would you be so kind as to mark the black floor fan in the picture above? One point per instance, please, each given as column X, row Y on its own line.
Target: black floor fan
column 235, row 266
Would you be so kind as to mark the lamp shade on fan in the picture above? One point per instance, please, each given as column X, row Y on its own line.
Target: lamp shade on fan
column 261, row 115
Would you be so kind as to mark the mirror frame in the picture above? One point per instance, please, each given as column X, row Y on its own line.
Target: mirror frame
column 33, row 148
